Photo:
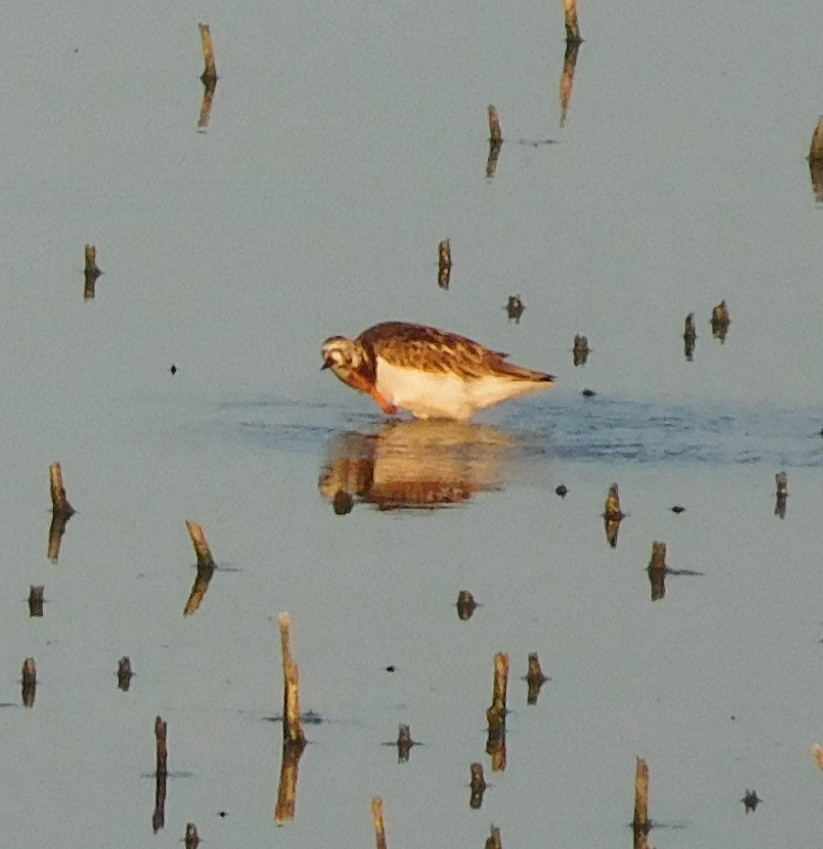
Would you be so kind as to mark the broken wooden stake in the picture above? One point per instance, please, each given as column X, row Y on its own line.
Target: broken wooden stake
column 640, row 821
column 191, row 840
column 158, row 819
column 580, row 350
column 514, row 308
column 36, row 600
column 444, row 263
column 286, row 803
column 567, row 79
column 124, row 674
column 90, row 272
column 493, row 842
column 478, row 786
column 496, row 713
column 209, row 74
column 59, row 503
column 535, row 679
column 658, row 561
column 62, row 511
column 29, row 682
column 612, row 507
column 816, row 160
column 689, row 336
column 720, row 321
column 612, row 515
column 160, row 729
column 292, row 730
column 500, row 683
column 465, row 605
column 208, row 78
column 404, row 743
column 201, row 547
column 205, row 568
column 816, row 147
column 379, row 825
column 782, row 482
column 572, row 28
column 495, row 141
column 495, row 134
column 657, row 571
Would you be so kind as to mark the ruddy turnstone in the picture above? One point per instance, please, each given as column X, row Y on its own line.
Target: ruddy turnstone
column 430, row 372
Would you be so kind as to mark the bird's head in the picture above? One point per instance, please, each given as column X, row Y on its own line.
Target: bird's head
column 342, row 356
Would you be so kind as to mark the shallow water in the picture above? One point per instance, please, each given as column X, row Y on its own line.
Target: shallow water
column 345, row 142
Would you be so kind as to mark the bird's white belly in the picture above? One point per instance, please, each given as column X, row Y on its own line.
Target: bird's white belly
column 425, row 394
column 444, row 394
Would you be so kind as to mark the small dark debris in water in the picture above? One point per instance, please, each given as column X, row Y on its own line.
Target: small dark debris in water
column 750, row 800
column 173, row 369
column 342, row 503
column 222, row 814
column 580, row 350
column 733, row 717
column 588, row 393
column 678, row 509
column 562, row 490
column 720, row 321
column 465, row 605
column 536, row 142
column 514, row 308
column 391, row 668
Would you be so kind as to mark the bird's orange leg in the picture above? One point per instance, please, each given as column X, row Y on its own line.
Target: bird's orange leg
column 361, row 384
column 385, row 406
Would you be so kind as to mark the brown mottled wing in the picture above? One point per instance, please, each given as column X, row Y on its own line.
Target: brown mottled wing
column 433, row 350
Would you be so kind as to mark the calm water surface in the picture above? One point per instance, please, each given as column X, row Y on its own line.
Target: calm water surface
column 345, row 142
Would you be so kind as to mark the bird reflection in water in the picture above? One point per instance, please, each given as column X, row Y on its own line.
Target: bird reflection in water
column 416, row 464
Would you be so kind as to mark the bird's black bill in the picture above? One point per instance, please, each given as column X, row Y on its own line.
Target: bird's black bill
column 327, row 364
